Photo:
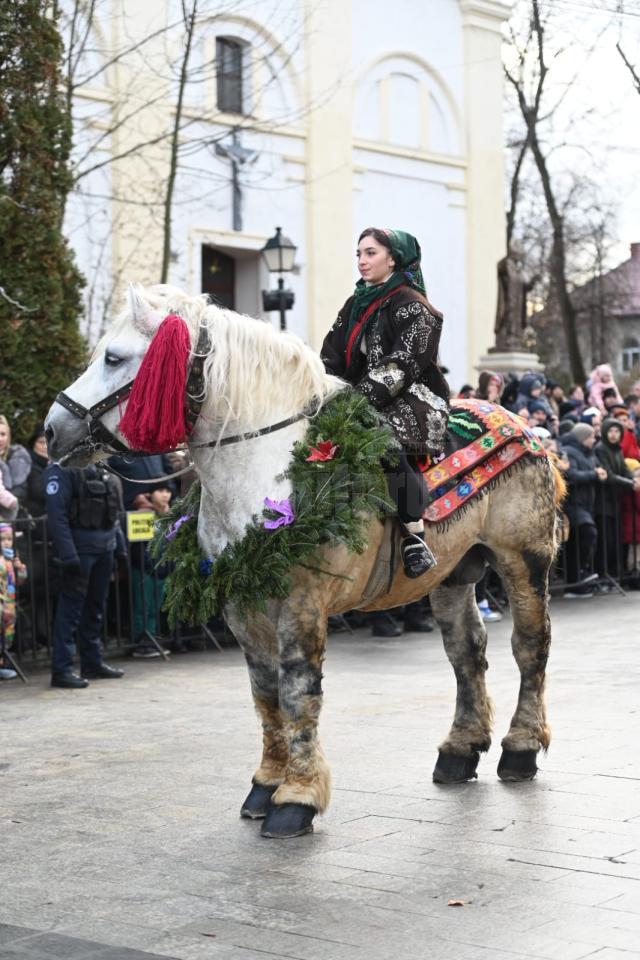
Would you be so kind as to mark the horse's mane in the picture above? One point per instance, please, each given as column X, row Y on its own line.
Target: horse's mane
column 251, row 367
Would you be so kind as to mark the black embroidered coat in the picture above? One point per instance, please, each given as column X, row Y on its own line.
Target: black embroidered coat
column 399, row 372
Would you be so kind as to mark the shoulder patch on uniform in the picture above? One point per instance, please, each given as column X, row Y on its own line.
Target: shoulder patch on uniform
column 52, row 487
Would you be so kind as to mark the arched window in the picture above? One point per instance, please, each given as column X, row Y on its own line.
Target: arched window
column 231, row 94
column 630, row 354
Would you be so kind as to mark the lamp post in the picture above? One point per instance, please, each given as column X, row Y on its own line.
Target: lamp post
column 279, row 253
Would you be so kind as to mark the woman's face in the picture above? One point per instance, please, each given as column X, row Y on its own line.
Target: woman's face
column 40, row 446
column 375, row 262
column 614, row 434
column 4, row 437
column 493, row 391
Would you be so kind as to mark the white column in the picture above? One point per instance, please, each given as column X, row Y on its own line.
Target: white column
column 329, row 166
column 482, row 20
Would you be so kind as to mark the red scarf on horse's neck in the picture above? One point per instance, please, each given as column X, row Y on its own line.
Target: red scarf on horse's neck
column 155, row 418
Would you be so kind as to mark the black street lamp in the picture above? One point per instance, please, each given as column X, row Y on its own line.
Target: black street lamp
column 279, row 253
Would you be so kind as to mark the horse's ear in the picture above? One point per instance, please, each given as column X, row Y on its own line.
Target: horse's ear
column 145, row 319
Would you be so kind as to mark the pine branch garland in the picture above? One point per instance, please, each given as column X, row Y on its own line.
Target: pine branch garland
column 332, row 501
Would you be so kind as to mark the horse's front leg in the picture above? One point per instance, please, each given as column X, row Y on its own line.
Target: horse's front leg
column 305, row 791
column 257, row 638
column 465, row 642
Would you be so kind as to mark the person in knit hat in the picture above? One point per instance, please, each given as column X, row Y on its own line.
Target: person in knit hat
column 609, row 506
column 582, row 476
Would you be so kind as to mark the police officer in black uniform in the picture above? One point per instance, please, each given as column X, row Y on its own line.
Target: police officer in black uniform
column 83, row 509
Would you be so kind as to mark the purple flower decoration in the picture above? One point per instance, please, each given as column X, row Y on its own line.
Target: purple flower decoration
column 206, row 566
column 175, row 526
column 284, row 508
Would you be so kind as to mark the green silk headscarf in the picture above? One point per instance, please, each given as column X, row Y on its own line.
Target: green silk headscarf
column 408, row 273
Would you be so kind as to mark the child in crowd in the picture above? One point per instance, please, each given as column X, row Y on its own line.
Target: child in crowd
column 601, row 381
column 148, row 581
column 12, row 572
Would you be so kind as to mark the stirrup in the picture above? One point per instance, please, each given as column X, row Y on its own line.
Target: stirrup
column 417, row 558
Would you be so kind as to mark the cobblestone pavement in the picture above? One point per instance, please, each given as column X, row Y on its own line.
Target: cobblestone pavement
column 121, row 838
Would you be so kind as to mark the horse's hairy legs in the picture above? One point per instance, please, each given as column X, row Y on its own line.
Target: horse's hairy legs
column 525, row 575
column 465, row 642
column 257, row 638
column 302, row 630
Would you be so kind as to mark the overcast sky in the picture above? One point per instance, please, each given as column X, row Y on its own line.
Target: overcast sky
column 599, row 117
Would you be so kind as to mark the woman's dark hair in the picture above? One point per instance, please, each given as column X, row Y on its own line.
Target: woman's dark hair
column 378, row 235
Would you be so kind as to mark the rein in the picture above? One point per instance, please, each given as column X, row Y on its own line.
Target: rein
column 100, row 436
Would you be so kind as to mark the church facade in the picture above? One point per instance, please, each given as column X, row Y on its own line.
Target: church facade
column 318, row 117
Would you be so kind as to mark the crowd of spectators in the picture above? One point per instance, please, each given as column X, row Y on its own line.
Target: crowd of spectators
column 592, row 432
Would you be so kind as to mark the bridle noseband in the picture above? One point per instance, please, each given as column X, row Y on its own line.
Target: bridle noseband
column 98, row 435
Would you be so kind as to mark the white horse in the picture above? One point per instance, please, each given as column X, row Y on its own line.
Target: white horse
column 256, row 377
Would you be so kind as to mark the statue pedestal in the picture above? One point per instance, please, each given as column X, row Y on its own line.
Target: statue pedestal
column 514, row 361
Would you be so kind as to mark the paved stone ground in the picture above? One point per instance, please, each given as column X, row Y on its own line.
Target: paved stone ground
column 121, row 838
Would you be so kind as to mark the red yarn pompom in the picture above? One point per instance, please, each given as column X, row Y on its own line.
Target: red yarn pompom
column 155, row 416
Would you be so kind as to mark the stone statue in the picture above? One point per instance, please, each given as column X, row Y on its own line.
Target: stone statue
column 512, row 332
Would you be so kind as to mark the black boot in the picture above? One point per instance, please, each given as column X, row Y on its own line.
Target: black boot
column 416, row 556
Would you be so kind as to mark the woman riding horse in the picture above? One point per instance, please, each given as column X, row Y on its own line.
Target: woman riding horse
column 385, row 343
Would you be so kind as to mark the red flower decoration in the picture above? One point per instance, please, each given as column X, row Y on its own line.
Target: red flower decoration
column 326, row 450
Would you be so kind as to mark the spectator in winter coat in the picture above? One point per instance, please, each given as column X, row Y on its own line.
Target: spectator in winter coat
column 631, row 520
column 593, row 418
column 576, row 398
column 629, row 445
column 35, row 500
column 608, row 507
column 489, row 386
column 582, row 476
column 135, row 494
column 530, row 389
column 15, row 462
column 8, row 503
column 601, row 380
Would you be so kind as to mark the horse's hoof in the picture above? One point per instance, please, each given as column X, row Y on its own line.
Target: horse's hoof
column 450, row 768
column 517, row 765
column 286, row 820
column 256, row 805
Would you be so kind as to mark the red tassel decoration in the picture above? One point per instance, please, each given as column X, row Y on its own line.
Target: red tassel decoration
column 154, row 420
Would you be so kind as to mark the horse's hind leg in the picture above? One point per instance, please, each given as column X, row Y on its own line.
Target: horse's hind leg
column 465, row 642
column 257, row 639
column 525, row 575
column 302, row 629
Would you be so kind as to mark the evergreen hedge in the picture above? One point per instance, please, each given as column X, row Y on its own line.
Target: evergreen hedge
column 41, row 348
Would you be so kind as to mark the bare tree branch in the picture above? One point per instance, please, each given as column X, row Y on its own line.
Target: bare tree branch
column 632, row 70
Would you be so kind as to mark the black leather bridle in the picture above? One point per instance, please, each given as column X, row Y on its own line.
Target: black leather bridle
column 97, row 434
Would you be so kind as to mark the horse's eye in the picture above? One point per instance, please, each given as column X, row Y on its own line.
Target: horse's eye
column 112, row 360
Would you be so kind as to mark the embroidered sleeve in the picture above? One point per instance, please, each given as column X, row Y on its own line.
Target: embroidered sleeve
column 415, row 347
column 332, row 353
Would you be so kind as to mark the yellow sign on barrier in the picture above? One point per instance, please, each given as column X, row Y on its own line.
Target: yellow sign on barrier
column 140, row 525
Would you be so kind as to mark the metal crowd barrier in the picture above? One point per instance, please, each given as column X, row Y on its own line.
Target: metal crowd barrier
column 612, row 566
column 36, row 601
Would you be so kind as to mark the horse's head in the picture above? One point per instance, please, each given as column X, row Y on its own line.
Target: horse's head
column 82, row 424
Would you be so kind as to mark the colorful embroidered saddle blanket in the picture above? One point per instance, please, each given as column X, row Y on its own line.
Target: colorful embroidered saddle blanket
column 483, row 440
